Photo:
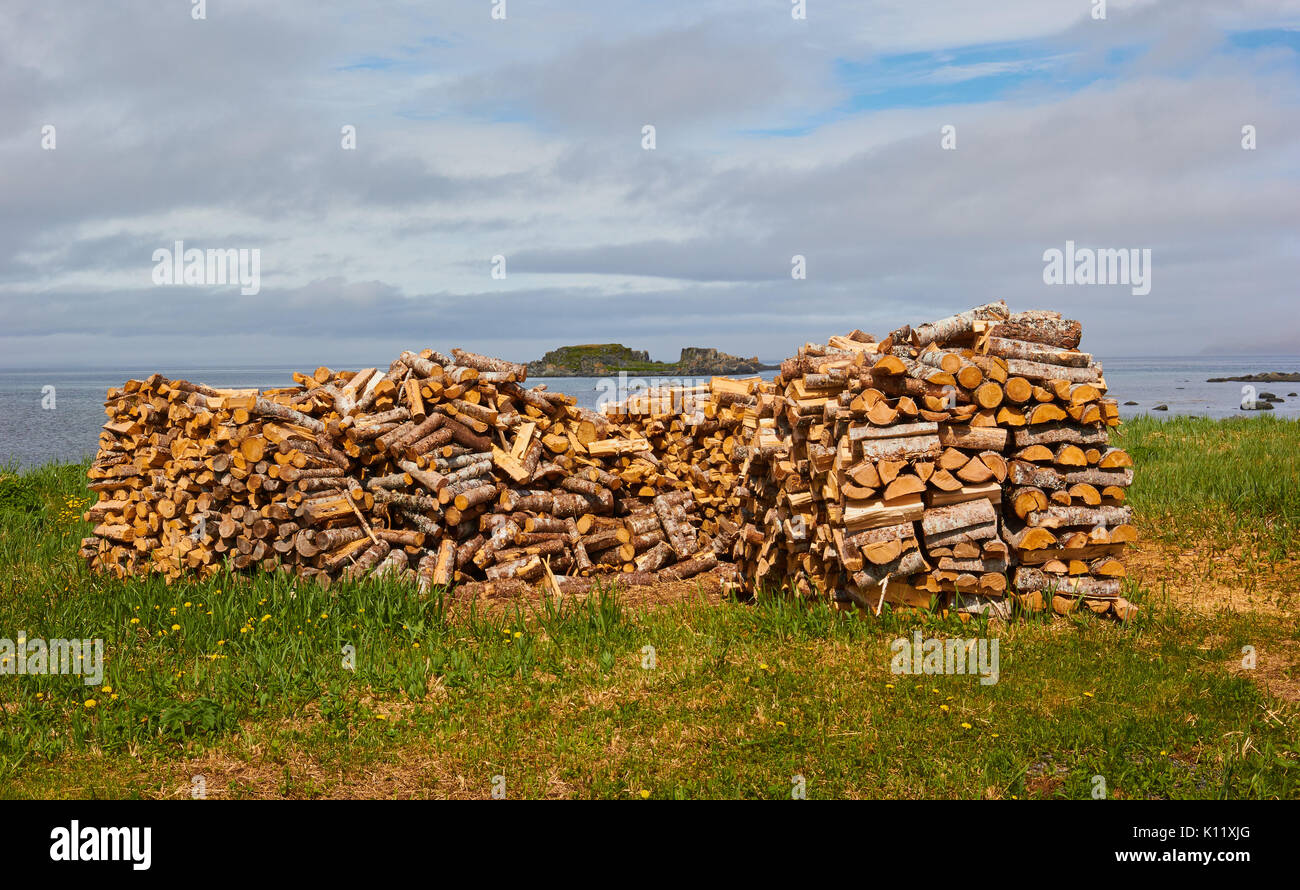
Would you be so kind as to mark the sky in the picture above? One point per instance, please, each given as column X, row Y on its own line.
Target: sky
column 522, row 137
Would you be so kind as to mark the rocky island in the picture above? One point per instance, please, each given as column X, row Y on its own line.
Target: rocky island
column 604, row 359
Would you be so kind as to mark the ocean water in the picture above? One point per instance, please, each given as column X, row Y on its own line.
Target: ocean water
column 69, row 430
column 1180, row 383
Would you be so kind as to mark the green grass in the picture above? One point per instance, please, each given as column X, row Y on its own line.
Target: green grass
column 1234, row 481
column 251, row 690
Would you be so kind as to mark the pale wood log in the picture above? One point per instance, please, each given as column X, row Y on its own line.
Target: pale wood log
column 1037, row 352
column 1029, row 579
column 909, row 447
column 976, row 438
column 959, row 325
column 942, row 497
column 955, row 516
column 516, row 371
column 1063, row 517
column 860, row 516
column 1040, row 371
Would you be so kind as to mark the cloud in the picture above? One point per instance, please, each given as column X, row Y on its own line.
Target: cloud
column 522, row 138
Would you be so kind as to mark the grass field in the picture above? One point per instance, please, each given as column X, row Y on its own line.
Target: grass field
column 243, row 682
column 1237, row 481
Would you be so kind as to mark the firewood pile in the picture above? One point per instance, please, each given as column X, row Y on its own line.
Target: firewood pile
column 964, row 461
column 439, row 470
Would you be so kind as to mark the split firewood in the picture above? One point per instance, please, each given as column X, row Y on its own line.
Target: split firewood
column 932, row 461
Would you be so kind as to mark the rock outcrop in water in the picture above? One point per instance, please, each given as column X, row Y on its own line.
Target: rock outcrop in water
column 603, row 359
column 1266, row 377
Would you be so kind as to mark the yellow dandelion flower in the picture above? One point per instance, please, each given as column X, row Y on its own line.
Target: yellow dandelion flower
column 943, row 708
column 176, row 627
column 645, row 795
column 135, row 620
column 965, row 726
column 107, row 689
column 90, row 703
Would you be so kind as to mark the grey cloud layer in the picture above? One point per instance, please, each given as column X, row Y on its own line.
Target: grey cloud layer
column 523, row 138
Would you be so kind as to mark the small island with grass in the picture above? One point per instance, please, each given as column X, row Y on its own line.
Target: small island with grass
column 603, row 359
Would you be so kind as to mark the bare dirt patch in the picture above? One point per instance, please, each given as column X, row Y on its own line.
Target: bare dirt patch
column 1209, row 579
column 415, row 774
column 1276, row 670
column 706, row 589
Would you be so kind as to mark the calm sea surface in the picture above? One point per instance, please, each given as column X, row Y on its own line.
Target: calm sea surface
column 32, row 435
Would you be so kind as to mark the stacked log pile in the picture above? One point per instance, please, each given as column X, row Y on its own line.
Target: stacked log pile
column 696, row 435
column 965, row 461
column 436, row 471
